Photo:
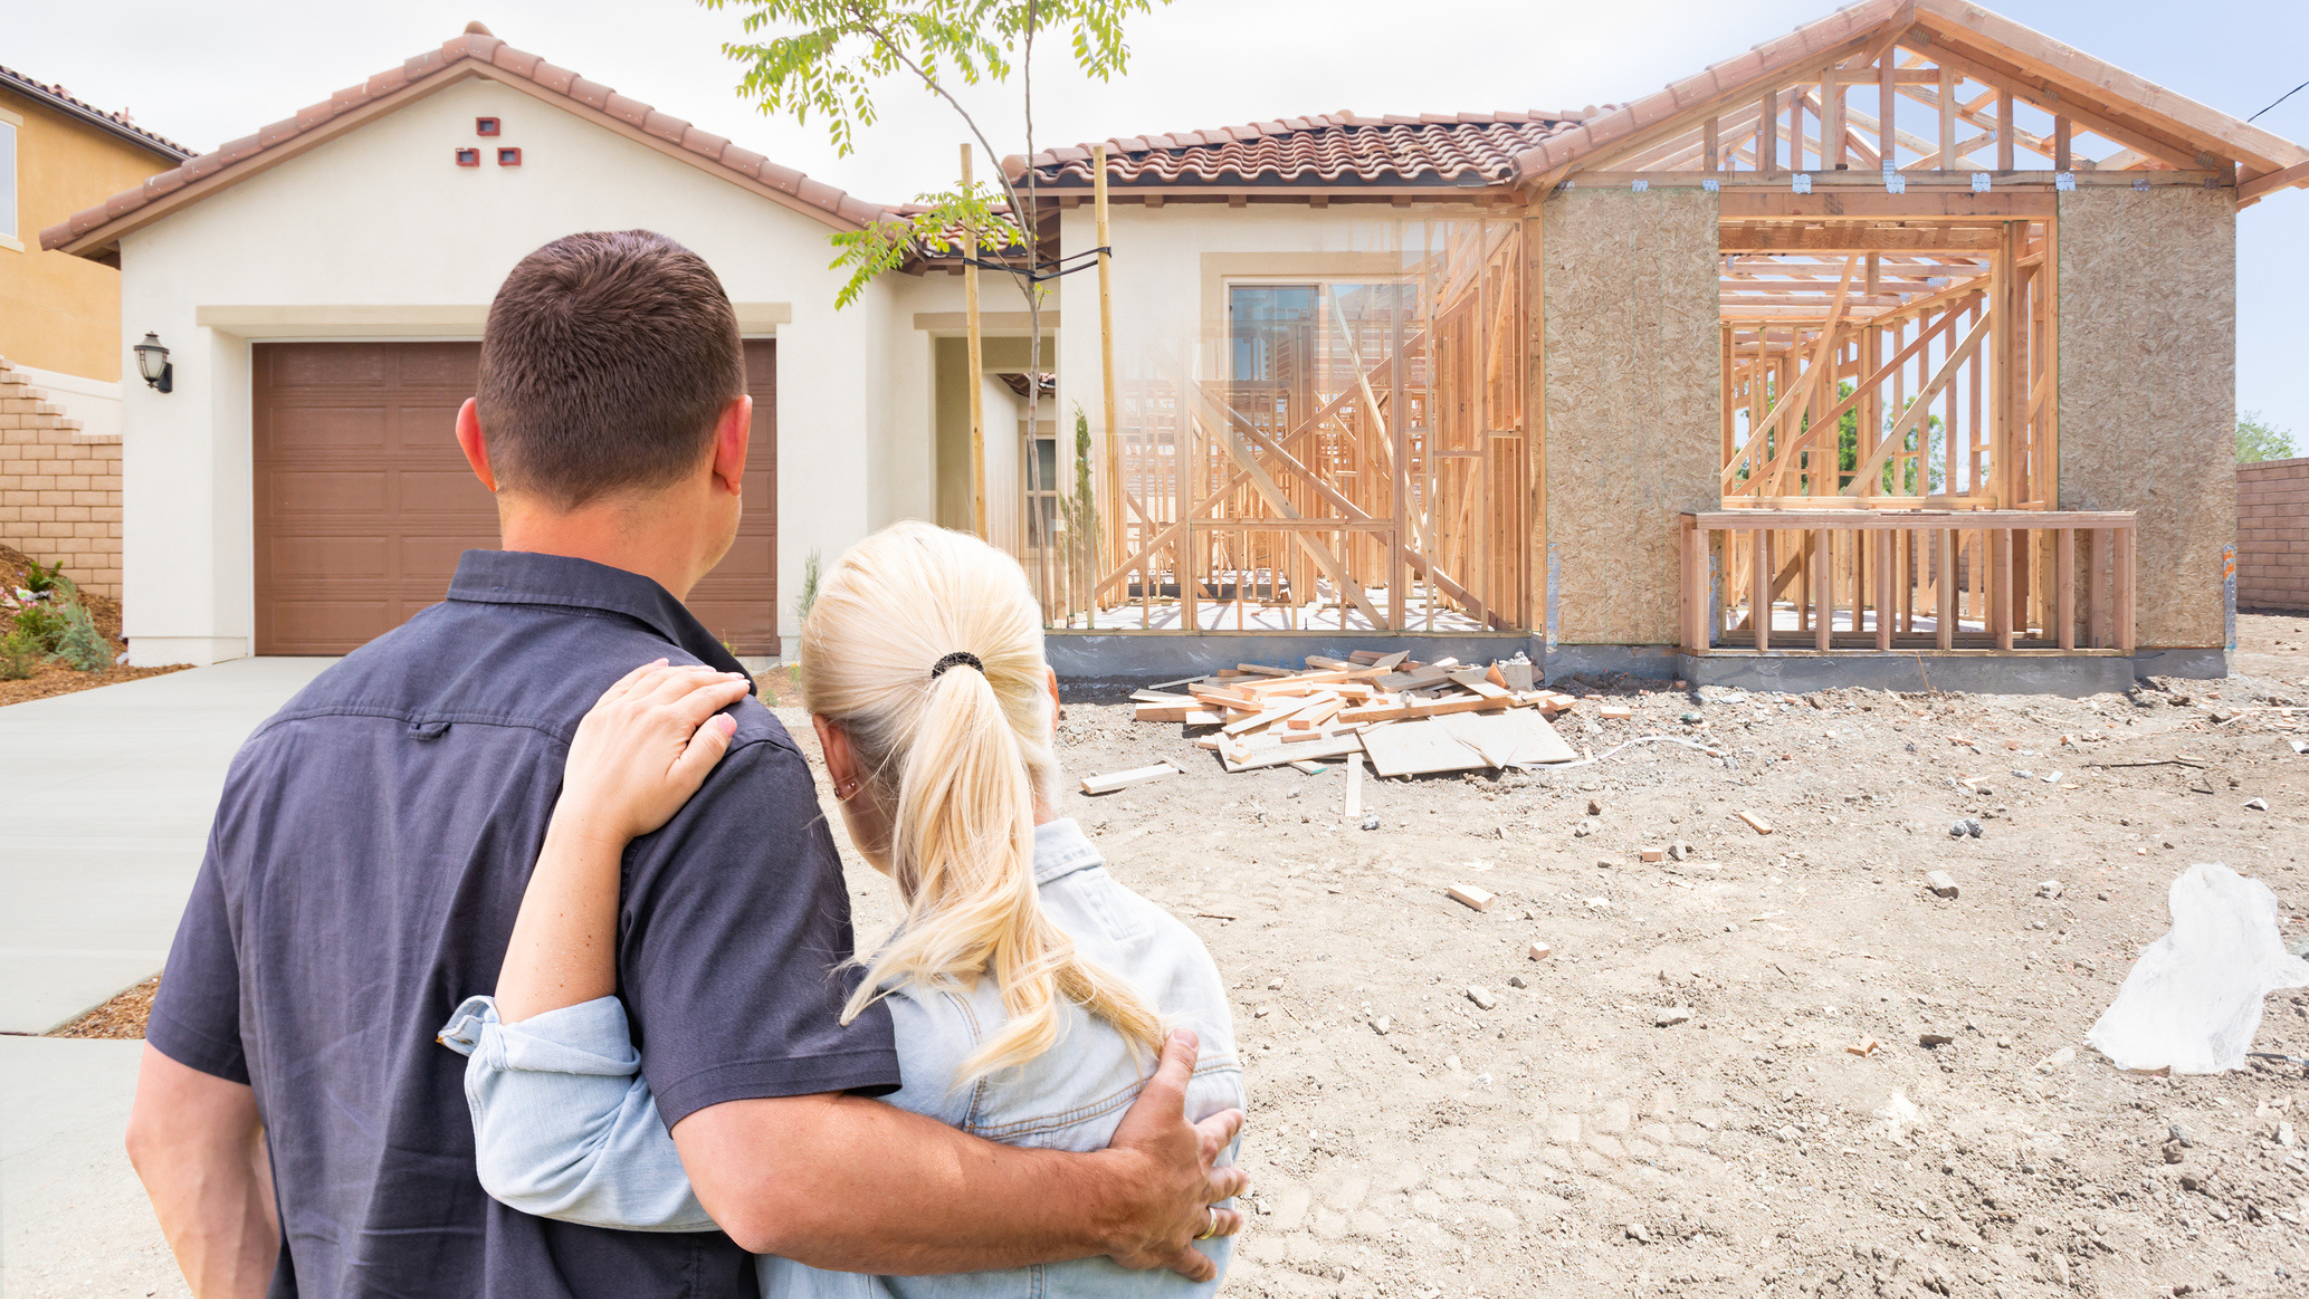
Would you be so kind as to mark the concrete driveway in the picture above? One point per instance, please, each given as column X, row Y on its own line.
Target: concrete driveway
column 105, row 797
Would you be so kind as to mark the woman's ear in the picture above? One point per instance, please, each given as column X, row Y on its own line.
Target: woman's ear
column 841, row 763
column 1057, row 706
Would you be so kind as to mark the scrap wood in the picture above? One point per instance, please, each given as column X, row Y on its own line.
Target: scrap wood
column 1248, row 757
column 1469, row 896
column 1354, row 805
column 1112, row 781
column 1755, row 822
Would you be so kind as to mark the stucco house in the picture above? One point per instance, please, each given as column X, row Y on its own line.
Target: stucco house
column 1905, row 339
column 59, row 314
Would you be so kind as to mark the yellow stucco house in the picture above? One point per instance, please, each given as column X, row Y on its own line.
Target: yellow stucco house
column 60, row 314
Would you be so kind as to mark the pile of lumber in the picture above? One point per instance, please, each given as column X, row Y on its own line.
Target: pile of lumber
column 1409, row 718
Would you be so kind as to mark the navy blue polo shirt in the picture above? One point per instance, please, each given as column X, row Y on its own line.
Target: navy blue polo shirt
column 361, row 879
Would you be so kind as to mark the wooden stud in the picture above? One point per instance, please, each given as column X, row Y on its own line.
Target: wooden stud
column 1832, row 140
column 1948, row 158
column 977, row 377
column 1760, row 589
column 2064, row 587
column 2004, row 126
column 1710, row 145
column 1823, row 592
column 1887, row 102
column 2000, row 587
column 1883, row 544
column 1116, row 492
column 2123, row 582
column 2060, row 144
column 1768, row 133
column 1112, row 781
column 1944, row 619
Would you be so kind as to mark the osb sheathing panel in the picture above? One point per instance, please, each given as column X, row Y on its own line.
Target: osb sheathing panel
column 1630, row 305
column 2148, row 390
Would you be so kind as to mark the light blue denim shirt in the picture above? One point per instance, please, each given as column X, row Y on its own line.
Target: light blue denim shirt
column 565, row 1127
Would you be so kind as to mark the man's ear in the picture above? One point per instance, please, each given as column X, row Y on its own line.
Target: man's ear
column 733, row 431
column 469, row 440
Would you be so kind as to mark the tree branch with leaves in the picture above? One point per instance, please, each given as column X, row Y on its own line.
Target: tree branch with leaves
column 824, row 59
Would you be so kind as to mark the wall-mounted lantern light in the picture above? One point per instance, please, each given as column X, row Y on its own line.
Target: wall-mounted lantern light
column 152, row 363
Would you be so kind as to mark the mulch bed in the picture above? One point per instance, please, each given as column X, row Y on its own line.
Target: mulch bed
column 121, row 1017
column 54, row 678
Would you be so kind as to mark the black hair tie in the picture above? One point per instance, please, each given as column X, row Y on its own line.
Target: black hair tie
column 957, row 658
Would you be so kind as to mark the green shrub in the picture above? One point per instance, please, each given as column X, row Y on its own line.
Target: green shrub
column 82, row 647
column 20, row 656
column 44, row 624
column 41, row 580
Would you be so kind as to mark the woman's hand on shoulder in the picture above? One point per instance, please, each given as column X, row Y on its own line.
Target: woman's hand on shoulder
column 646, row 747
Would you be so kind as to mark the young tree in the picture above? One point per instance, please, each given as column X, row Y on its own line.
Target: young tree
column 2257, row 439
column 825, row 57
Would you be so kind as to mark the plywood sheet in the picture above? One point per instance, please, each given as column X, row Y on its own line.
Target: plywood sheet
column 1517, row 738
column 1464, row 742
column 2148, row 382
column 1630, row 308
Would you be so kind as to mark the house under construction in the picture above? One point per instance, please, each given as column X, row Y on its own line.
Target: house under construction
column 1900, row 349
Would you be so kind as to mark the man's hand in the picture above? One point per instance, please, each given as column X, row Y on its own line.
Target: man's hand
column 199, row 1148
column 1173, row 1172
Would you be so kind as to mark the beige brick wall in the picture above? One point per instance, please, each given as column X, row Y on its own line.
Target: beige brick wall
column 59, row 487
column 2273, row 536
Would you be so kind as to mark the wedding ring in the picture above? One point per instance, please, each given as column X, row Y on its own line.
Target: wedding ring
column 1212, row 1229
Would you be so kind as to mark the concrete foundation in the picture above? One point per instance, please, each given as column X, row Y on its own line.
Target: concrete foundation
column 1105, row 656
column 1081, row 657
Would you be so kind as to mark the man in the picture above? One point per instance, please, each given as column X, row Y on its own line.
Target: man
column 373, row 841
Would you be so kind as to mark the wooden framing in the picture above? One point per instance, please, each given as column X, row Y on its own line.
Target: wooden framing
column 1369, row 471
column 1960, row 566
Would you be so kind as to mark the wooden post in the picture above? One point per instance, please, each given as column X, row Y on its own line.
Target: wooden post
column 1768, row 134
column 1711, row 145
column 2007, row 405
column 1887, row 100
column 1947, row 118
column 1760, row 589
column 1823, row 590
column 2064, row 587
column 2060, row 144
column 1832, row 152
column 2123, row 581
column 977, row 375
column 2096, row 559
column 2004, row 131
column 1883, row 542
column 1944, row 628
column 2000, row 587
column 1117, row 508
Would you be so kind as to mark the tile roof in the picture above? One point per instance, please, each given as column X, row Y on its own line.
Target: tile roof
column 118, row 124
column 474, row 53
column 1328, row 149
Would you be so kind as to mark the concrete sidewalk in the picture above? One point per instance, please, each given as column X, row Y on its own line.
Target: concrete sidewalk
column 73, row 1219
column 106, row 797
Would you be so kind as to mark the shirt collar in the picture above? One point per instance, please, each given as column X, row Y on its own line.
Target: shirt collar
column 562, row 581
column 1060, row 849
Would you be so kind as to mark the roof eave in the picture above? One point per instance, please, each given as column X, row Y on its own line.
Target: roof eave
column 87, row 116
column 171, row 191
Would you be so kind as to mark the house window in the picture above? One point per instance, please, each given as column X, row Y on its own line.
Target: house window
column 8, row 180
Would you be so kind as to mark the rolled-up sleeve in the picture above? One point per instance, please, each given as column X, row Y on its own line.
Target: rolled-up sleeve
column 564, row 1127
column 736, row 923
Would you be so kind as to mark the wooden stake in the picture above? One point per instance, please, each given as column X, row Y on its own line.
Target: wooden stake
column 977, row 376
column 1115, row 507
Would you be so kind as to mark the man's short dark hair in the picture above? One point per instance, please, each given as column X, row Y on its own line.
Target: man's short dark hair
column 605, row 361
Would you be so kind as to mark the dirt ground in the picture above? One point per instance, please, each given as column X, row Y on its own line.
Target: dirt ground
column 1407, row 1141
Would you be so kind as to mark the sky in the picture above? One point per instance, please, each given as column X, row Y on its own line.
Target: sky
column 203, row 74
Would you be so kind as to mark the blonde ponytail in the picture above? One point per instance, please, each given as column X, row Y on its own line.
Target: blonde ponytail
column 957, row 755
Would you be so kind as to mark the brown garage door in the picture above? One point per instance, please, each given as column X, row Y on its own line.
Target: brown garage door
column 364, row 503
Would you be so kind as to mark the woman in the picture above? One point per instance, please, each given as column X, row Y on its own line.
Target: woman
column 1028, row 990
